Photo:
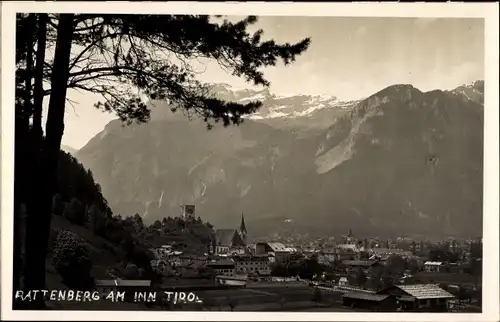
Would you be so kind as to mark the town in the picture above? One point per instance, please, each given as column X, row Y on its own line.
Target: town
column 356, row 274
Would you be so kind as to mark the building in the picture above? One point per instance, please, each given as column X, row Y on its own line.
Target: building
column 231, row 241
column 420, row 297
column 277, row 250
column 433, row 266
column 326, row 257
column 188, row 212
column 223, row 267
column 343, row 281
column 369, row 301
column 346, row 251
column 228, row 242
column 258, row 265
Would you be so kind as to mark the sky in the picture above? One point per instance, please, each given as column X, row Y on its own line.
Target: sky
column 350, row 58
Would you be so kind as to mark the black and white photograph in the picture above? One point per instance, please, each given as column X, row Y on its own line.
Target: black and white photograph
column 163, row 160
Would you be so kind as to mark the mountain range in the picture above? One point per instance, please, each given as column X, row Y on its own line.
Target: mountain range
column 399, row 161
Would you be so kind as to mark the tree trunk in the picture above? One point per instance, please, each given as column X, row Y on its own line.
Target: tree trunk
column 38, row 86
column 21, row 159
column 19, row 200
column 45, row 178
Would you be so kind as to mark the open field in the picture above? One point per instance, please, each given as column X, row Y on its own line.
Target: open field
column 256, row 297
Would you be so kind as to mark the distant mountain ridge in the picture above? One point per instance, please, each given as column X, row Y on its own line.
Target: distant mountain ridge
column 400, row 159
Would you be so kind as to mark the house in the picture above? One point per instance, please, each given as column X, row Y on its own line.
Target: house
column 343, row 281
column 354, row 265
column 258, row 265
column 223, row 267
column 162, row 251
column 369, row 301
column 104, row 287
column 326, row 257
column 420, row 297
column 430, row 266
column 346, row 251
column 279, row 251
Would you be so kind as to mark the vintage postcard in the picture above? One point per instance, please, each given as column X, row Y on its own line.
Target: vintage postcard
column 243, row 161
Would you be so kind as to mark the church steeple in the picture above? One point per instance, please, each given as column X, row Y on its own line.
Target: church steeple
column 350, row 237
column 243, row 228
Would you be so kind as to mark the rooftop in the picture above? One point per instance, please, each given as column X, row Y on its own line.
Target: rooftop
column 347, row 246
column 433, row 263
column 225, row 237
column 425, row 291
column 277, row 247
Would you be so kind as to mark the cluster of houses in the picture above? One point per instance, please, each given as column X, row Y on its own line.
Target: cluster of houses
column 231, row 255
column 233, row 261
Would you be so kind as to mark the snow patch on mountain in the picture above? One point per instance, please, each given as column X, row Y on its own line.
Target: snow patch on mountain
column 256, row 97
column 280, row 106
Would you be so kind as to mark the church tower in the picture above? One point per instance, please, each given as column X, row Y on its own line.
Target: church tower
column 243, row 229
column 350, row 238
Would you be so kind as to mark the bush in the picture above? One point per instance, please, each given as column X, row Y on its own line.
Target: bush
column 72, row 261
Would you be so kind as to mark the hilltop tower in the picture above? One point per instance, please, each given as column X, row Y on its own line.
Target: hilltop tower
column 243, row 229
column 188, row 211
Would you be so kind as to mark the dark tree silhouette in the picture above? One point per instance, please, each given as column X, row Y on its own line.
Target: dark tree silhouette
column 44, row 178
column 396, row 265
column 75, row 212
column 97, row 221
column 413, row 266
column 72, row 261
column 122, row 58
